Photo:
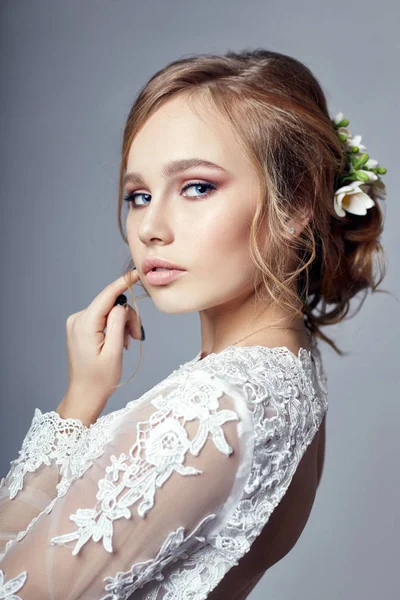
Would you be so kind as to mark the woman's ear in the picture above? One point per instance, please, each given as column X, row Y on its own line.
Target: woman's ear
column 301, row 223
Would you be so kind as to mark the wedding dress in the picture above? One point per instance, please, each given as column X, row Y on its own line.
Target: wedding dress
column 158, row 500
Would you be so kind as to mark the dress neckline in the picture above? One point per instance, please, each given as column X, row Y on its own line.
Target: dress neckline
column 280, row 350
column 274, row 350
column 305, row 363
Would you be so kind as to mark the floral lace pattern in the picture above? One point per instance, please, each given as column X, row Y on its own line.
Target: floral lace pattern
column 287, row 399
column 49, row 438
column 160, row 450
column 176, row 546
column 8, row 588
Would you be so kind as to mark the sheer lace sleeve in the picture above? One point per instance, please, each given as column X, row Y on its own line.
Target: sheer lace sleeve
column 171, row 473
column 32, row 480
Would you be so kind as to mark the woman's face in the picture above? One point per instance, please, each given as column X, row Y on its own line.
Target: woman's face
column 204, row 228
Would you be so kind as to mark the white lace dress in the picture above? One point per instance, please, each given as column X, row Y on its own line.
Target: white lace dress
column 159, row 499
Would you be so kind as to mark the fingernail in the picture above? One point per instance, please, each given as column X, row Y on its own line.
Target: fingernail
column 143, row 336
column 121, row 300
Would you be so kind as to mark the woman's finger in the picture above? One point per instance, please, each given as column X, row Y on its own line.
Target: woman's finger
column 133, row 323
column 99, row 309
column 126, row 339
column 115, row 336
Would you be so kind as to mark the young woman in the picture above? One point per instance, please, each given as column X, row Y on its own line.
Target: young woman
column 260, row 207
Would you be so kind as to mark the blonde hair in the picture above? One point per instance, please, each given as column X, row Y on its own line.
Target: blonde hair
column 279, row 112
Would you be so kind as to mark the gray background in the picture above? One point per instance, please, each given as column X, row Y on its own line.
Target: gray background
column 69, row 72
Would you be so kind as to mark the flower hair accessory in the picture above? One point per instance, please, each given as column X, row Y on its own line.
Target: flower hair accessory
column 360, row 176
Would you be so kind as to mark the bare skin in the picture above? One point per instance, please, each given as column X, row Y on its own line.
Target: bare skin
column 205, row 232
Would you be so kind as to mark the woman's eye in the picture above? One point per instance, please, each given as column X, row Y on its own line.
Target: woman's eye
column 210, row 187
column 131, row 198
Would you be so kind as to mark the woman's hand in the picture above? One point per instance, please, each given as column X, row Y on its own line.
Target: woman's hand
column 95, row 357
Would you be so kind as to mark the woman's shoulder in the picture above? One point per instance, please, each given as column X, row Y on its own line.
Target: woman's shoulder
column 259, row 374
column 270, row 367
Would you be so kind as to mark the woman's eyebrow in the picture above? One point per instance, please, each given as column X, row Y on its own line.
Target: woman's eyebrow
column 174, row 167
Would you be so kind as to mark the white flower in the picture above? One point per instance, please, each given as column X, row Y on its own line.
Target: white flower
column 356, row 141
column 347, row 133
column 372, row 176
column 371, row 163
column 338, row 118
column 353, row 198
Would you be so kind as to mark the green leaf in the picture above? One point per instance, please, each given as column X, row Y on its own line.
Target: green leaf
column 343, row 137
column 381, row 170
column 343, row 123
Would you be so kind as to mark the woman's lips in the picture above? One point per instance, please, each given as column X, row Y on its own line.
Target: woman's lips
column 163, row 277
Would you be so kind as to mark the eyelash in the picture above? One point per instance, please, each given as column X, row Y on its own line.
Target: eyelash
column 130, row 198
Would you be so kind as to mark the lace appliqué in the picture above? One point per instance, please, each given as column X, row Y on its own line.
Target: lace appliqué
column 8, row 589
column 91, row 446
column 160, row 449
column 49, row 438
column 176, row 546
column 288, row 399
column 194, row 578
